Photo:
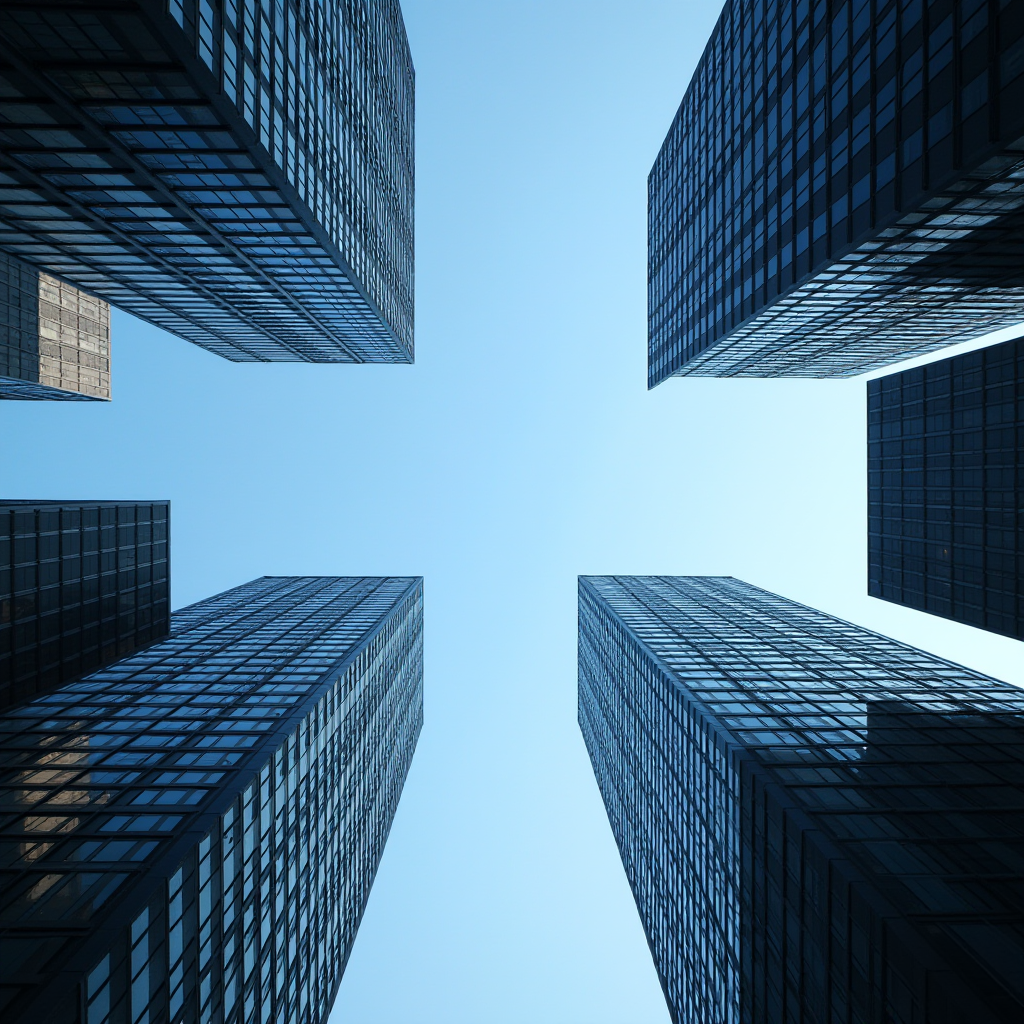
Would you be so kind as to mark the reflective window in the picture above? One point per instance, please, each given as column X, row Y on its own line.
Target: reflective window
column 255, row 197
column 814, row 819
column 815, row 211
column 193, row 831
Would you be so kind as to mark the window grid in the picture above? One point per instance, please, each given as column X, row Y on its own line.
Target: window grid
column 945, row 475
column 840, row 189
column 211, row 810
column 240, row 174
column 817, row 822
column 54, row 338
column 81, row 584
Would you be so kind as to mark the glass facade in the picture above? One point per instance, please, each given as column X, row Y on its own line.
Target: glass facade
column 81, row 585
column 239, row 172
column 191, row 834
column 818, row 823
column 945, row 479
column 841, row 188
column 54, row 339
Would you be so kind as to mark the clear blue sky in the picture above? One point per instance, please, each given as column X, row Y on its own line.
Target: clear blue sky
column 520, row 450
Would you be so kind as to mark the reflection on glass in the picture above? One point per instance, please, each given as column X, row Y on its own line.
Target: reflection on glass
column 236, row 779
column 234, row 189
column 815, row 820
column 62, row 620
column 814, row 211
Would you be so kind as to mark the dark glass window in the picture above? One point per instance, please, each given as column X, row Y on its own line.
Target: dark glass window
column 908, row 240
column 945, row 462
column 193, row 830
column 818, row 823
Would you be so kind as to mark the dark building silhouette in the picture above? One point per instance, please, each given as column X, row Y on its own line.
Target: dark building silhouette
column 240, row 174
column 54, row 338
column 841, row 188
column 818, row 823
column 81, row 585
column 945, row 494
column 191, row 833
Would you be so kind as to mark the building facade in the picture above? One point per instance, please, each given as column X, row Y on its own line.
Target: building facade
column 191, row 834
column 240, row 174
column 54, row 338
column 841, row 188
column 81, row 585
column 818, row 823
column 945, row 486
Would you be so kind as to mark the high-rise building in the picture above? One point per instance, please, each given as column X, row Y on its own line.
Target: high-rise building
column 191, row 833
column 239, row 173
column 818, row 823
column 54, row 339
column 841, row 188
column 82, row 583
column 946, row 488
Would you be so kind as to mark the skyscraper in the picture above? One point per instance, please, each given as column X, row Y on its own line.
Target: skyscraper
column 818, row 823
column 191, row 834
column 81, row 585
column 841, row 188
column 945, row 486
column 54, row 339
column 240, row 174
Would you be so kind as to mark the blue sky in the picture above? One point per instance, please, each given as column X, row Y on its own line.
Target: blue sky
column 522, row 449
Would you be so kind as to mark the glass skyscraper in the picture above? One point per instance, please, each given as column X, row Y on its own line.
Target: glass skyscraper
column 239, row 172
column 945, row 487
column 818, row 823
column 841, row 188
column 54, row 338
column 191, row 834
column 81, row 585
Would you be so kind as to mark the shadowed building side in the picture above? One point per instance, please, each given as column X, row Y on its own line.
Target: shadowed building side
column 81, row 585
column 191, row 834
column 842, row 188
column 817, row 822
column 945, row 487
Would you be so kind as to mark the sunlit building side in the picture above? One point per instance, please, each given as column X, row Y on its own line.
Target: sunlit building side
column 54, row 338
